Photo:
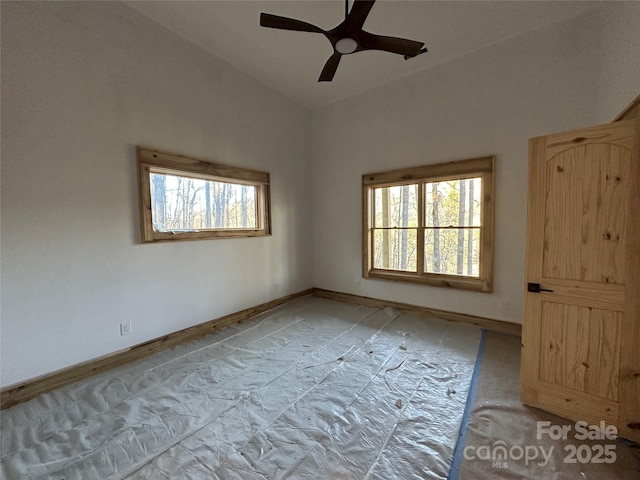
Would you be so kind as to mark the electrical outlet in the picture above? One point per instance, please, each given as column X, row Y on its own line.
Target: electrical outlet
column 501, row 304
column 126, row 328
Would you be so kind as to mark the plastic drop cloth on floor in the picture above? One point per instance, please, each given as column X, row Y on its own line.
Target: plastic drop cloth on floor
column 499, row 419
column 313, row 389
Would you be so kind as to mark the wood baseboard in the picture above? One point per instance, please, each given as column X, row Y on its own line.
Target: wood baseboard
column 485, row 323
column 23, row 391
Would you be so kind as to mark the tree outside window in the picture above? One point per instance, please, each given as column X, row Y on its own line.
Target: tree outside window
column 431, row 224
column 184, row 198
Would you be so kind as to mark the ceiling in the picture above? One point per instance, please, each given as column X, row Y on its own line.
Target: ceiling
column 290, row 62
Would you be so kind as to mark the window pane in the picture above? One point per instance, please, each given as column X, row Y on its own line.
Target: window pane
column 185, row 203
column 395, row 249
column 453, row 203
column 454, row 251
column 396, row 206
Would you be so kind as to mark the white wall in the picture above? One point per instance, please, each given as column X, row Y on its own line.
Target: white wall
column 82, row 84
column 489, row 102
column 619, row 60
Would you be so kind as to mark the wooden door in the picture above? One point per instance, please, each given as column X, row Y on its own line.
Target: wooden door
column 581, row 333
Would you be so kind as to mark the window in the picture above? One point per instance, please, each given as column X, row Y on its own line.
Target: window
column 431, row 224
column 187, row 199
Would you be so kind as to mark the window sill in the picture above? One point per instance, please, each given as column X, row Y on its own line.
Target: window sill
column 433, row 279
column 205, row 235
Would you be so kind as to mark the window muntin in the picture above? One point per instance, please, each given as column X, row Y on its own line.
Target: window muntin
column 417, row 229
column 188, row 199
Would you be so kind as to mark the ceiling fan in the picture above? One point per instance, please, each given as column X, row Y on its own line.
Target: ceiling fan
column 348, row 37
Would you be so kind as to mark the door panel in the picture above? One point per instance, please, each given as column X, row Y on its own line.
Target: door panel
column 585, row 213
column 583, row 348
column 578, row 246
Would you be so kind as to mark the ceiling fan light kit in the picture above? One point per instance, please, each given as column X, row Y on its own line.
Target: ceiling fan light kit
column 346, row 46
column 348, row 37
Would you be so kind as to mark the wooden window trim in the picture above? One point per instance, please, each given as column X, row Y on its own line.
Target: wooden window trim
column 156, row 161
column 482, row 167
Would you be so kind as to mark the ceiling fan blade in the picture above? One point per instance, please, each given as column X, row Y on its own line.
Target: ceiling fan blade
column 330, row 68
column 284, row 23
column 402, row 46
column 358, row 14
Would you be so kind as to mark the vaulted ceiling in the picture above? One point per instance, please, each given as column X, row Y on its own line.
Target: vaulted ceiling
column 291, row 62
